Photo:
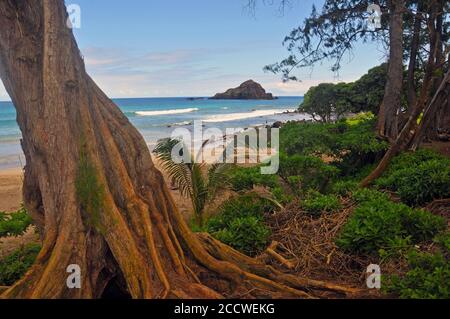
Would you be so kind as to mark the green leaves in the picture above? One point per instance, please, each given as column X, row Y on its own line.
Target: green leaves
column 379, row 224
column 428, row 277
column 191, row 178
column 317, row 203
column 14, row 224
column 14, row 266
column 240, row 224
column 418, row 177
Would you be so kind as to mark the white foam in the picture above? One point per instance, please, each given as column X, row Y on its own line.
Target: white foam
column 240, row 116
column 166, row 112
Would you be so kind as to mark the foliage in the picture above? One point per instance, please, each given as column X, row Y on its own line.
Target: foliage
column 244, row 178
column 352, row 143
column 240, row 223
column 90, row 191
column 379, row 224
column 428, row 277
column 190, row 176
column 15, row 223
column 418, row 177
column 358, row 145
column 14, row 266
column 331, row 101
column 246, row 234
column 317, row 203
column 344, row 187
column 326, row 35
column 306, row 172
column 320, row 102
column 306, row 138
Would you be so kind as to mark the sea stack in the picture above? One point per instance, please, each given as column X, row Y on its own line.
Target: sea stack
column 249, row 90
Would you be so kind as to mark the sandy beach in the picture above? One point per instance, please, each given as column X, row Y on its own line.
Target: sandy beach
column 10, row 189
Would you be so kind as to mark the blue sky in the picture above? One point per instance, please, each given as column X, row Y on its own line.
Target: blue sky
column 162, row 48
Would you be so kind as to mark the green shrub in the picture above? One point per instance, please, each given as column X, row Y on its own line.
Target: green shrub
column 246, row 234
column 317, row 203
column 306, row 138
column 420, row 184
column 353, row 143
column 428, row 278
column 344, row 188
column 418, row 177
column 14, row 266
column 379, row 225
column 14, row 224
column 365, row 195
column 358, row 146
column 244, row 178
column 240, row 223
column 306, row 172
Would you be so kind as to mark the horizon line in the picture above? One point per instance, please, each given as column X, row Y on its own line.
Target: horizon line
column 172, row 97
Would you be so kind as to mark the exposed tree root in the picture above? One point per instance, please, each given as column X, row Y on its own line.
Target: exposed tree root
column 224, row 252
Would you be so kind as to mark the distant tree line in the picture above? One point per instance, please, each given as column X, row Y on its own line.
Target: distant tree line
column 327, row 101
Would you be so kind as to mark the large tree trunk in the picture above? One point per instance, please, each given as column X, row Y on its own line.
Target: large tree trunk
column 392, row 101
column 90, row 183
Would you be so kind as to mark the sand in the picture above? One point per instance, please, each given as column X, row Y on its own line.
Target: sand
column 10, row 200
column 10, row 189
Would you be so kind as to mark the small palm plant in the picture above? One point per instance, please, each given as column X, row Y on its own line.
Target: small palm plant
column 194, row 181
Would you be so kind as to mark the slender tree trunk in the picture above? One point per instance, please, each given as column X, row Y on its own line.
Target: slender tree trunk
column 431, row 112
column 91, row 186
column 388, row 117
column 415, row 44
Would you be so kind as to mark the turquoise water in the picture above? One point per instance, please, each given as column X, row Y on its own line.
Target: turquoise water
column 156, row 118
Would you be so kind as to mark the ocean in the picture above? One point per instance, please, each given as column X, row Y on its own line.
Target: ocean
column 156, row 118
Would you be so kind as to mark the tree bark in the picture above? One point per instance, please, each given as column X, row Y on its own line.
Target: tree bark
column 406, row 135
column 415, row 44
column 90, row 183
column 392, row 101
column 439, row 101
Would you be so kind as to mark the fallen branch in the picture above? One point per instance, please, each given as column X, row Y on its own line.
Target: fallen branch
column 272, row 253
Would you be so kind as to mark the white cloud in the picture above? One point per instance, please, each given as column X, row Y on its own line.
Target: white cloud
column 197, row 72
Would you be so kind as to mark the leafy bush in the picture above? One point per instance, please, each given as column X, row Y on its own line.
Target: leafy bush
column 358, row 145
column 364, row 94
column 378, row 224
column 306, row 172
column 244, row 178
column 240, row 224
column 418, row 177
column 428, row 278
column 317, row 203
column 14, row 266
column 14, row 224
column 365, row 195
column 344, row 188
column 306, row 138
column 246, row 234
column 352, row 143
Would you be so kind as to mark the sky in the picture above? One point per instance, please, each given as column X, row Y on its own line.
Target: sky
column 169, row 48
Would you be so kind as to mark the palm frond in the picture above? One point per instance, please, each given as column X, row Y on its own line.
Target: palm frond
column 218, row 178
column 179, row 173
